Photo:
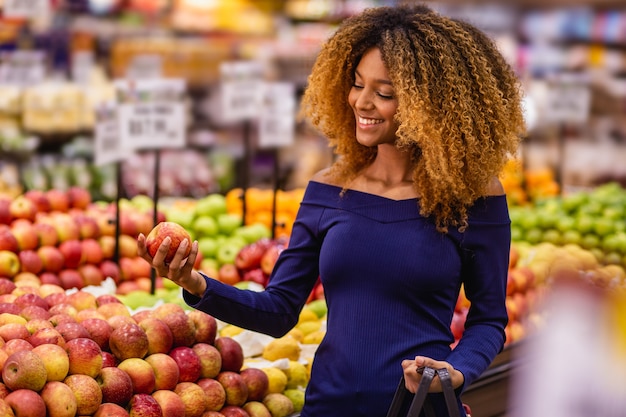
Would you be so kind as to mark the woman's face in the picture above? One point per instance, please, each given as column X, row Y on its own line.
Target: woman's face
column 373, row 101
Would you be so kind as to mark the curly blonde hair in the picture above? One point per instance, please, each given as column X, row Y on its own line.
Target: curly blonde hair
column 459, row 103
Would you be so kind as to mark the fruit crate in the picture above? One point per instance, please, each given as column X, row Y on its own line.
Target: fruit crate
column 488, row 396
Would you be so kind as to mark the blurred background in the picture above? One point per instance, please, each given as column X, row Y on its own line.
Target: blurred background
column 60, row 58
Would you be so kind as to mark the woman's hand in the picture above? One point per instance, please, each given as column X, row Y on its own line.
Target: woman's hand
column 180, row 269
column 412, row 377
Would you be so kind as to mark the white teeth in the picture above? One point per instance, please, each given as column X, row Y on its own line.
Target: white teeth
column 369, row 121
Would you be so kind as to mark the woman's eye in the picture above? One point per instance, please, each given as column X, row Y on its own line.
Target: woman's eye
column 357, row 86
column 385, row 96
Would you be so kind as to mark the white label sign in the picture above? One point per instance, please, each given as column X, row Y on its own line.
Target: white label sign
column 151, row 114
column 107, row 147
column 569, row 100
column 145, row 66
column 23, row 68
column 241, row 90
column 82, row 66
column 25, row 9
column 277, row 119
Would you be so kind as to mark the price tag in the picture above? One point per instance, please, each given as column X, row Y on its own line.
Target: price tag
column 241, row 90
column 145, row 66
column 568, row 99
column 107, row 146
column 151, row 114
column 277, row 119
column 82, row 66
column 25, row 9
column 23, row 68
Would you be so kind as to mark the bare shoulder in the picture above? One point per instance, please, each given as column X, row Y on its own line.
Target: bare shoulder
column 495, row 187
column 324, row 177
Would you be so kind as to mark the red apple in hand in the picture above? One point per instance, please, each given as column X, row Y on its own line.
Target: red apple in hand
column 175, row 232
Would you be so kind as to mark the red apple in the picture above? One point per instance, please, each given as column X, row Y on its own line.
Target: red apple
column 50, row 278
column 81, row 300
column 24, row 370
column 9, row 264
column 164, row 309
column 10, row 331
column 71, row 330
column 10, row 307
column 228, row 274
column 38, row 197
column 61, row 318
column 6, row 285
column 52, row 258
column 249, row 257
column 128, row 341
column 110, row 310
column 141, row 374
column 55, row 359
column 26, row 402
column 166, row 371
column 111, row 410
column 87, row 392
column 92, row 252
column 59, row 200
column 234, row 411
column 31, row 299
column 25, row 234
column 107, row 244
column 127, row 246
column 257, row 382
column 71, row 278
column 8, row 242
column 182, row 328
column 92, row 275
column 110, row 270
column 78, row 197
column 47, row 234
column 175, row 232
column 188, row 363
column 99, row 331
column 5, row 214
column 46, row 335
column 215, row 393
column 85, row 356
column 108, row 359
column 30, row 261
column 59, row 399
column 107, row 298
column 232, row 353
column 160, row 338
column 72, row 251
column 37, row 324
column 144, row 405
column 206, row 326
column 210, row 359
column 171, row 404
column 55, row 297
column 22, row 208
column 116, row 386
column 234, row 386
column 194, row 398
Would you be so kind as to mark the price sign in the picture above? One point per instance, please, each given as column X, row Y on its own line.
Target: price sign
column 22, row 68
column 82, row 66
column 145, row 66
column 241, row 90
column 107, row 146
column 277, row 119
column 151, row 114
column 25, row 9
column 568, row 99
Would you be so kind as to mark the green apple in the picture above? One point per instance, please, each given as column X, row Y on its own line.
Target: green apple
column 142, row 202
column 207, row 246
column 253, row 232
column 227, row 253
column 238, row 241
column 184, row 218
column 228, row 223
column 205, row 225
column 168, row 284
column 212, row 205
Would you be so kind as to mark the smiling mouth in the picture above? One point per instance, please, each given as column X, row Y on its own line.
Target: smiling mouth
column 365, row 121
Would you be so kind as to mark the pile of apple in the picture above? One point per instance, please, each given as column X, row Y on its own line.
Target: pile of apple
column 74, row 353
column 593, row 219
column 64, row 238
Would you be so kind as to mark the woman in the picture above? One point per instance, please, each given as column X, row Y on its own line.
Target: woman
column 423, row 112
